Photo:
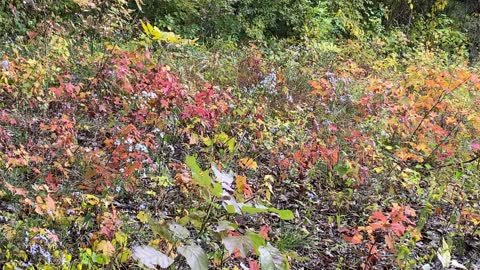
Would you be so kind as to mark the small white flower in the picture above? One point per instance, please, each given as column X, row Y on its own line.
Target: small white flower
column 141, row 148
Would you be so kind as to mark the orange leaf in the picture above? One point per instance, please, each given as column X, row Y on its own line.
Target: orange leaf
column 49, row 203
column 389, row 240
column 15, row 190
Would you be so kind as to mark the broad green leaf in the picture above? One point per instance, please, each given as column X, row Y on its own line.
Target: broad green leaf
column 341, row 168
column 200, row 177
column 191, row 162
column 283, row 214
column 257, row 241
column 271, row 258
column 217, row 190
column 254, row 210
column 241, row 243
column 150, row 257
column 195, row 256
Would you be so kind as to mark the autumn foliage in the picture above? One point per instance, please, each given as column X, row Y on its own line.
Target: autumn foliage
column 153, row 151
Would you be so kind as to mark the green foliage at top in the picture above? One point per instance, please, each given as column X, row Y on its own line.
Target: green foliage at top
column 227, row 134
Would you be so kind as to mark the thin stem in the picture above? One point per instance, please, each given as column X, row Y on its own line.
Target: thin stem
column 205, row 219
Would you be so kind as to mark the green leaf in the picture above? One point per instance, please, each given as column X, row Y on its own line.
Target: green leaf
column 217, row 190
column 271, row 258
column 231, row 145
column 195, row 256
column 230, row 209
column 241, row 243
column 254, row 210
column 161, row 230
column 341, row 169
column 198, row 176
column 257, row 241
column 283, row 214
column 191, row 162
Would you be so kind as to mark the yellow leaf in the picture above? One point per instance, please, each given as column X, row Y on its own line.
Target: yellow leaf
column 143, row 217
column 92, row 200
column 124, row 255
column 120, row 238
column 8, row 231
column 151, row 192
column 106, row 248
column 422, row 147
column 248, row 163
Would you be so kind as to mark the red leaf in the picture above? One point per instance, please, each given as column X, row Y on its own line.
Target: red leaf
column 264, row 232
column 378, row 216
column 397, row 228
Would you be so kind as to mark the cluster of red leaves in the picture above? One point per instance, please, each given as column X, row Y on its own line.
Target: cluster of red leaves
column 134, row 94
column 382, row 232
column 208, row 106
column 309, row 154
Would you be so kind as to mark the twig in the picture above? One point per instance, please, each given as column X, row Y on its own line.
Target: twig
column 459, row 163
column 440, row 98
column 205, row 219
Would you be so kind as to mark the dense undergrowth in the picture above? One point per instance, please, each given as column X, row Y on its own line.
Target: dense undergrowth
column 273, row 135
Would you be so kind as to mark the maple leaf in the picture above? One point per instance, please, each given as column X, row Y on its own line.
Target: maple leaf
column 352, row 236
column 248, row 163
column 397, row 228
column 106, row 248
column 378, row 216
